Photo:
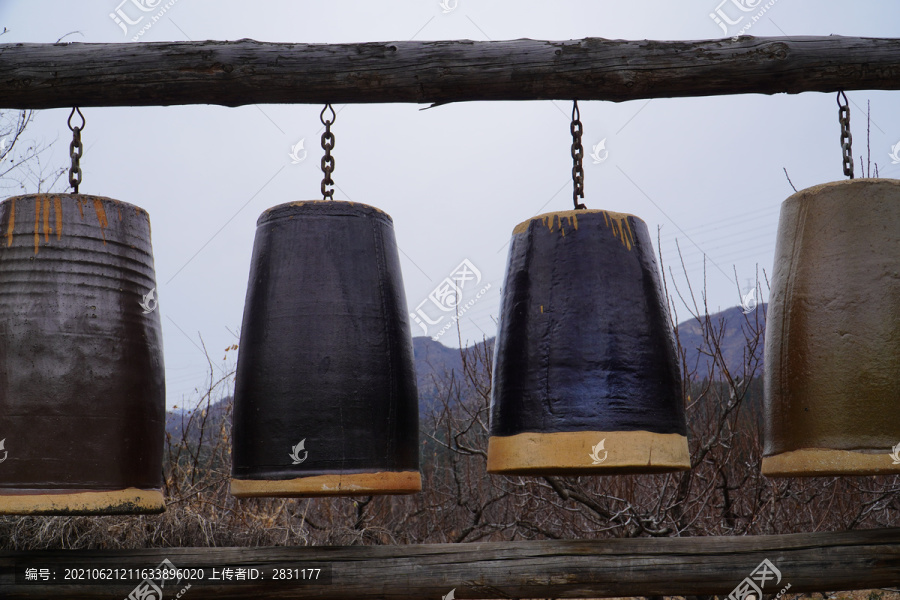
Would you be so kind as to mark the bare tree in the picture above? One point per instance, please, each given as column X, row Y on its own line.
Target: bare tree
column 23, row 162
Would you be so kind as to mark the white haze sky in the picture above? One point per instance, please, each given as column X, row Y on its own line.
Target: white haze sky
column 456, row 179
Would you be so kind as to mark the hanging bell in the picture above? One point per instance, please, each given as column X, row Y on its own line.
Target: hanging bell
column 832, row 351
column 325, row 400
column 586, row 378
column 82, row 388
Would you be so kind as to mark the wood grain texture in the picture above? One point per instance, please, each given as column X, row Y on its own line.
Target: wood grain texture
column 523, row 569
column 249, row 72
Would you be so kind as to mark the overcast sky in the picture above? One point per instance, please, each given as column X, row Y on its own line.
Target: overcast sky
column 456, row 179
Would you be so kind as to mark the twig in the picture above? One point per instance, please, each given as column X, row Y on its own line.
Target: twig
column 789, row 178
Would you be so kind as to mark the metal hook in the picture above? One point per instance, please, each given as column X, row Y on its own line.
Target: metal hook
column 322, row 115
column 838, row 98
column 72, row 114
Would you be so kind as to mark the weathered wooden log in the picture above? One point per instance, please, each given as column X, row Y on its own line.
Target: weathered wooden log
column 250, row 72
column 807, row 562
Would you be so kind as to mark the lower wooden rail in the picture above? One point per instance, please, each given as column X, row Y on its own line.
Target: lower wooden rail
column 527, row 569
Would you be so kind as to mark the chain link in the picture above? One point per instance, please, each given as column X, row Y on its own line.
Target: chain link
column 76, row 150
column 328, row 159
column 846, row 138
column 577, row 158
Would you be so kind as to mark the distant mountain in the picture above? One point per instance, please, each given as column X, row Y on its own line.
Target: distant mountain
column 434, row 362
column 732, row 330
column 180, row 422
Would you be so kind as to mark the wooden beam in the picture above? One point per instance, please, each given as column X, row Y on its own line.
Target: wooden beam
column 524, row 569
column 35, row 76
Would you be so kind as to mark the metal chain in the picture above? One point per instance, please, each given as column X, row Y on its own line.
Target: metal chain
column 577, row 157
column 76, row 150
column 327, row 160
column 846, row 138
